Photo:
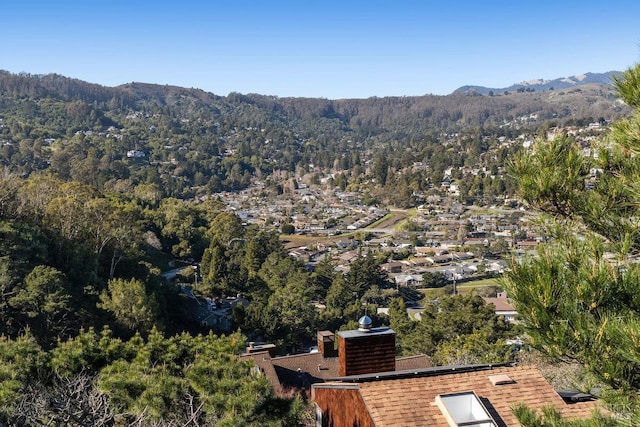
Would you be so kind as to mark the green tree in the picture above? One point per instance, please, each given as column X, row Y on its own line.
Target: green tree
column 111, row 228
column 578, row 299
column 9, row 186
column 287, row 228
column 458, row 315
column 339, row 297
column 477, row 347
column 178, row 380
column 277, row 271
column 133, row 306
column 322, row 277
column 20, row 361
column 66, row 213
column 258, row 247
column 183, row 227
column 292, row 313
column 434, row 280
column 43, row 304
column 226, row 227
column 551, row 416
column 282, row 309
column 399, row 320
column 365, row 272
column 380, row 169
column 22, row 248
column 214, row 269
column 89, row 351
column 464, row 319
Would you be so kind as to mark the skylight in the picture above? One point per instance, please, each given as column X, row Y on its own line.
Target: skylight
column 464, row 409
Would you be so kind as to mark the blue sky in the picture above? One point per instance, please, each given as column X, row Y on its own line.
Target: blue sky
column 330, row 49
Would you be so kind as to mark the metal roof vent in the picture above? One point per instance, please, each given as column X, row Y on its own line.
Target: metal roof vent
column 364, row 324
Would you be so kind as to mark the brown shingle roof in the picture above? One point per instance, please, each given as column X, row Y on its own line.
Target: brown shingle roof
column 410, row 401
column 297, row 371
column 262, row 361
column 413, row 362
column 302, row 370
column 501, row 304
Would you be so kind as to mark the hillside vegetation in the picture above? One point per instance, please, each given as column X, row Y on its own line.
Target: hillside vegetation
column 187, row 142
column 100, row 186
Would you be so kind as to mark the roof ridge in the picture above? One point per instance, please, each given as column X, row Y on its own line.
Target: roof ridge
column 415, row 356
column 422, row 372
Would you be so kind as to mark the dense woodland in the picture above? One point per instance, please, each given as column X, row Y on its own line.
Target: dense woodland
column 92, row 335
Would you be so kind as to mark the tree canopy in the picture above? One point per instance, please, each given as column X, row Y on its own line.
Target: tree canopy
column 458, row 329
column 97, row 379
column 578, row 297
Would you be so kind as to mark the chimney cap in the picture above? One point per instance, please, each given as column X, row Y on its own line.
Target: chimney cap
column 364, row 324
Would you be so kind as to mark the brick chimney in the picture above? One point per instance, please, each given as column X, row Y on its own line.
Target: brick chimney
column 366, row 350
column 326, row 344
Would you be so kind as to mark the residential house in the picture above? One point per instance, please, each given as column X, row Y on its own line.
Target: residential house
column 440, row 259
column 503, row 306
column 372, row 390
column 393, row 267
column 478, row 395
column 461, row 272
column 527, row 244
column 137, row 154
column 300, row 253
column 218, row 315
column 419, row 262
column 424, row 250
column 219, row 320
column 463, row 255
column 356, row 352
column 348, row 257
column 408, row 280
column 497, row 267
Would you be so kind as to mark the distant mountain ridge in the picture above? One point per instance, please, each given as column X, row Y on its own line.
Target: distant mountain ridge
column 538, row 85
column 385, row 118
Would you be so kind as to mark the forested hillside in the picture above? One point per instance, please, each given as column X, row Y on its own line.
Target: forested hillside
column 186, row 142
column 91, row 334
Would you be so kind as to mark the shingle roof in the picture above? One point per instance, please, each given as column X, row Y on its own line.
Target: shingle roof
column 262, row 361
column 413, row 362
column 302, row 370
column 410, row 401
column 501, row 304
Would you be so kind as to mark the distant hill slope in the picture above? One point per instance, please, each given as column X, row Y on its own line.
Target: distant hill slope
column 186, row 140
column 538, row 85
column 389, row 118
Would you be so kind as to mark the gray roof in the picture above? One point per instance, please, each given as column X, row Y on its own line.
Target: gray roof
column 372, row 331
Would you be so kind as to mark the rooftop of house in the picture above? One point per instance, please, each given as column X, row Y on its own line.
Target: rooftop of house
column 300, row 371
column 405, row 399
column 500, row 304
